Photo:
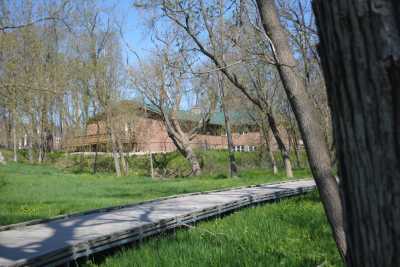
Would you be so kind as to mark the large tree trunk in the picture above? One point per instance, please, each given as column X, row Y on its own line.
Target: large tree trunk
column 360, row 53
column 311, row 131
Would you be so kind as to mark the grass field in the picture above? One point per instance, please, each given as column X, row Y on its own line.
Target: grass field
column 170, row 165
column 292, row 232
column 40, row 191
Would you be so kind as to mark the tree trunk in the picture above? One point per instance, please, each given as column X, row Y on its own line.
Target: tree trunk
column 360, row 54
column 281, row 145
column 181, row 141
column 296, row 151
column 183, row 145
column 124, row 163
column 96, row 152
column 293, row 144
column 192, row 158
column 115, row 153
column 114, row 148
column 151, row 164
column 273, row 161
column 2, row 160
column 33, row 138
column 30, row 148
column 14, row 133
column 306, row 116
column 267, row 141
column 233, row 169
column 9, row 130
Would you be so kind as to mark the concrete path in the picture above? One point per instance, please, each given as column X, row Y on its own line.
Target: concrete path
column 62, row 240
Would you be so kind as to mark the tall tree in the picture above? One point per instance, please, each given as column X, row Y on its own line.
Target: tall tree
column 199, row 21
column 306, row 116
column 233, row 169
column 360, row 53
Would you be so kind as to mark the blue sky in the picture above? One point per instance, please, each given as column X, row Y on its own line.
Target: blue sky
column 135, row 33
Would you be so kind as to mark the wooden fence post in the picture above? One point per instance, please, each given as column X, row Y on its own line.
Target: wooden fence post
column 151, row 164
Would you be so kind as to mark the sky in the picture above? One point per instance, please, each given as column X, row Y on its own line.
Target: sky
column 135, row 33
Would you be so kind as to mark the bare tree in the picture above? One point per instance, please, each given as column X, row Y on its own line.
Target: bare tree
column 162, row 84
column 218, row 48
column 197, row 20
column 306, row 115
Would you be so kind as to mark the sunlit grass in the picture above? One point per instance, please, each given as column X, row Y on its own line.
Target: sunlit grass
column 293, row 232
column 40, row 191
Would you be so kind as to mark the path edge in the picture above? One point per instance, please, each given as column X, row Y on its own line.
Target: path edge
column 118, row 207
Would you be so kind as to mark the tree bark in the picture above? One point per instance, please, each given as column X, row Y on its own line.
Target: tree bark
column 151, row 164
column 183, row 145
column 192, row 158
column 124, row 163
column 9, row 130
column 268, row 148
column 30, row 148
column 311, row 131
column 14, row 133
column 293, row 144
column 114, row 148
column 262, row 124
column 115, row 152
column 360, row 54
column 233, row 169
column 281, row 145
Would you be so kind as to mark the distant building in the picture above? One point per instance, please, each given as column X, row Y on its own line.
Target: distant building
column 141, row 129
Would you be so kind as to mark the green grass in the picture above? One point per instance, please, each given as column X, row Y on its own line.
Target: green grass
column 40, row 191
column 172, row 165
column 293, row 232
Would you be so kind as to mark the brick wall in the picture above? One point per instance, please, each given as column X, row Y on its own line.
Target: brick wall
column 151, row 135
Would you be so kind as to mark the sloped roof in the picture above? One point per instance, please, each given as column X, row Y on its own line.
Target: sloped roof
column 217, row 118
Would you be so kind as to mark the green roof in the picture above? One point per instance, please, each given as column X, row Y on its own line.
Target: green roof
column 217, row 118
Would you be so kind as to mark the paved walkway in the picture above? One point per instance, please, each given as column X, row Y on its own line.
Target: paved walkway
column 62, row 240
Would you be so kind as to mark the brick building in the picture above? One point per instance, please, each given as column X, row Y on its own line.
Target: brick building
column 140, row 129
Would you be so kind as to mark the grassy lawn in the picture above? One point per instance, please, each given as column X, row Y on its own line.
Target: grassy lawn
column 40, row 191
column 293, row 232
